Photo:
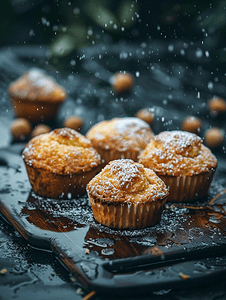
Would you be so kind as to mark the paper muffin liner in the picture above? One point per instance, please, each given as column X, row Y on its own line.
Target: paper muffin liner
column 109, row 155
column 51, row 185
column 188, row 188
column 35, row 111
column 131, row 215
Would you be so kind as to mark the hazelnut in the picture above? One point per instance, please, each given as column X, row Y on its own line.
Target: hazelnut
column 217, row 106
column 191, row 124
column 122, row 82
column 20, row 129
column 146, row 115
column 73, row 122
column 214, row 137
column 40, row 129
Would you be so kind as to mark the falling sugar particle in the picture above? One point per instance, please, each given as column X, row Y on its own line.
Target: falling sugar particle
column 210, row 85
column 137, row 74
column 170, row 48
column 108, row 251
column 164, row 102
column 198, row 53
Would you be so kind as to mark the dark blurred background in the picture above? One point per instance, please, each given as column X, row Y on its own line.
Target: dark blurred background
column 66, row 25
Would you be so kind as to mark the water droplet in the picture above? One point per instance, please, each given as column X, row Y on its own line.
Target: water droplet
column 107, row 251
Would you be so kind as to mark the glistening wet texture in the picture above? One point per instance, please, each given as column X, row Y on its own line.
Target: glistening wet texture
column 162, row 81
column 182, row 228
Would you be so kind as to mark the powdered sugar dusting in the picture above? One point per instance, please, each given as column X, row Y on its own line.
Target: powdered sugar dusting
column 179, row 139
column 38, row 78
column 130, row 124
column 178, row 153
column 125, row 170
column 124, row 180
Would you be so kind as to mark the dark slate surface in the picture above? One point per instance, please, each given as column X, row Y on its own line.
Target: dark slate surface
column 176, row 79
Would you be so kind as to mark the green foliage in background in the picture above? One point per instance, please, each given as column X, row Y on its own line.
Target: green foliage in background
column 85, row 23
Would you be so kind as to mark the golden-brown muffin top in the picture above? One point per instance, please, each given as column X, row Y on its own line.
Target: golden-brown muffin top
column 35, row 84
column 121, row 134
column 62, row 151
column 177, row 153
column 123, row 180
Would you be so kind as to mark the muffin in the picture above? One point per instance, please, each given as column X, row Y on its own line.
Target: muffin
column 36, row 96
column 120, row 138
column 127, row 195
column 183, row 163
column 60, row 163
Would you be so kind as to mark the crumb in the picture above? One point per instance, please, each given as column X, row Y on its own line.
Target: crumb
column 20, row 129
column 146, row 115
column 156, row 251
column 191, row 124
column 87, row 251
column 40, row 129
column 73, row 122
column 184, row 276
column 214, row 137
column 50, row 278
column 3, row 271
column 122, row 82
column 217, row 106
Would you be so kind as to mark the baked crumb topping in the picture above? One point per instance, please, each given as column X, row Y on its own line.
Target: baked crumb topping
column 62, row 151
column 124, row 180
column 177, row 153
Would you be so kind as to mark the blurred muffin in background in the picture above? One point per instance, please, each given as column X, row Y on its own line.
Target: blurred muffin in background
column 36, row 96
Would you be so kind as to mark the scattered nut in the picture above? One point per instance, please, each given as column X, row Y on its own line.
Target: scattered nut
column 122, row 82
column 146, row 115
column 40, row 129
column 20, row 129
column 73, row 122
column 214, row 137
column 217, row 106
column 191, row 124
